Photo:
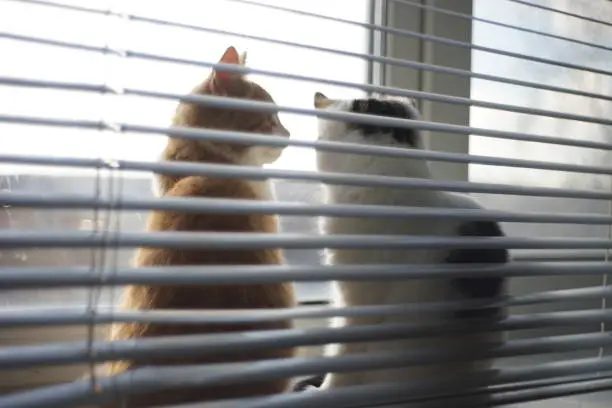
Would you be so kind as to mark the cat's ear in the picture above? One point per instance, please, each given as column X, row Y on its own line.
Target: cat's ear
column 321, row 101
column 227, row 82
column 229, row 57
column 242, row 59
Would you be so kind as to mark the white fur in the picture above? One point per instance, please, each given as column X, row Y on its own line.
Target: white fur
column 375, row 292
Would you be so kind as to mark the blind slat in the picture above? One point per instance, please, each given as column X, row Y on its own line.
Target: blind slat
column 501, row 24
column 524, row 393
column 428, row 37
column 567, row 13
column 29, row 82
column 256, row 173
column 267, row 140
column 155, row 379
column 366, row 25
column 555, row 391
column 238, row 206
column 235, row 103
column 574, row 255
column 77, row 316
column 383, row 60
column 378, row 395
column 29, row 277
column 251, row 105
column 218, row 344
column 24, row 238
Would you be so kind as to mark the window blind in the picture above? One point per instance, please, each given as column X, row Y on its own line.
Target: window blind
column 536, row 138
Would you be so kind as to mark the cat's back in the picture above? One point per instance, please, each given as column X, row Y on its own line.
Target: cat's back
column 199, row 187
column 383, row 225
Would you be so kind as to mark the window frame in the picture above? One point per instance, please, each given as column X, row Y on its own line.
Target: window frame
column 403, row 16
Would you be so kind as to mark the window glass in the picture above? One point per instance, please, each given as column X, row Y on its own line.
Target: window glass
column 44, row 62
column 562, row 51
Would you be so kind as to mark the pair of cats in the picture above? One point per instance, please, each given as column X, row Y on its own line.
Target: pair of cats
column 281, row 295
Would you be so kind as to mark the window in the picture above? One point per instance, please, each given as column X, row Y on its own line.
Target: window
column 51, row 63
column 565, row 52
column 554, row 49
column 44, row 62
column 580, row 80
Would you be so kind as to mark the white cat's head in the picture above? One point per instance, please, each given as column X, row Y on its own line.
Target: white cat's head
column 370, row 134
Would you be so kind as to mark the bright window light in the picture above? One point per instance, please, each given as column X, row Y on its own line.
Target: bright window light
column 21, row 59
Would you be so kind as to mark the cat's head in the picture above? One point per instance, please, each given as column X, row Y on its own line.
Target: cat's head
column 233, row 85
column 335, row 130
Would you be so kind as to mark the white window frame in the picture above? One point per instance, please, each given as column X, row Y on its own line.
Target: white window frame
column 406, row 17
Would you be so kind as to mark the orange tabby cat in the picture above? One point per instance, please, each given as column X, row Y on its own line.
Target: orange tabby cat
column 221, row 296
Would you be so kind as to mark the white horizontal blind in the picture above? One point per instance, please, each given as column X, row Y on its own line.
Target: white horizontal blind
column 103, row 145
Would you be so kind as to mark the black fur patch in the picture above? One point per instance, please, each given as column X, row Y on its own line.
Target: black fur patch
column 390, row 108
column 479, row 288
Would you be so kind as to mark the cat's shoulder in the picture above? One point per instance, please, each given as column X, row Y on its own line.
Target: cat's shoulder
column 202, row 186
column 205, row 187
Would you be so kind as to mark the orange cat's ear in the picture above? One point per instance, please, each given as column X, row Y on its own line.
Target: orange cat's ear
column 227, row 82
column 230, row 57
column 321, row 101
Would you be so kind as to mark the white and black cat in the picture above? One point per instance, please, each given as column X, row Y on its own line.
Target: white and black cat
column 398, row 292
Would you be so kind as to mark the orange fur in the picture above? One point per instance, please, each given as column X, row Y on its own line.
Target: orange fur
column 220, row 296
